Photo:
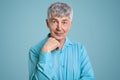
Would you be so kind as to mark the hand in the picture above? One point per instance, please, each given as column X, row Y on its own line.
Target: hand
column 50, row 45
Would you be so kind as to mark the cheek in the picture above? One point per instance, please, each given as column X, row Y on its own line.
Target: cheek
column 52, row 28
column 66, row 29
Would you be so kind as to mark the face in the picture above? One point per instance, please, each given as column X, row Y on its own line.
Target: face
column 59, row 26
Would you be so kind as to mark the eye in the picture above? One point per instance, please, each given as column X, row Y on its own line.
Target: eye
column 54, row 21
column 64, row 22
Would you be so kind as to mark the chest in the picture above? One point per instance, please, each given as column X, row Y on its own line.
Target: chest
column 67, row 64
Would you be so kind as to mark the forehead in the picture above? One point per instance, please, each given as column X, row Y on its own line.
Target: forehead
column 61, row 18
column 55, row 15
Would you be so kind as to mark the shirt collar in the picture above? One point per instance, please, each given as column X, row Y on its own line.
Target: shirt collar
column 67, row 42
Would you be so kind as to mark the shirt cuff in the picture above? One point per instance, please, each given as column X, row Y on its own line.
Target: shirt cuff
column 44, row 57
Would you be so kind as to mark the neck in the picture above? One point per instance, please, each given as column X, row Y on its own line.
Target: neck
column 61, row 42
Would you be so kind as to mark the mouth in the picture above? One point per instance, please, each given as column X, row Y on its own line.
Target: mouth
column 59, row 34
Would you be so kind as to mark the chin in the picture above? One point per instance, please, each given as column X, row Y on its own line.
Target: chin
column 59, row 38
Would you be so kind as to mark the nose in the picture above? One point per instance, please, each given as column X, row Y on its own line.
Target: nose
column 59, row 26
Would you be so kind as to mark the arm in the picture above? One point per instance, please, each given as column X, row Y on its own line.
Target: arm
column 40, row 62
column 40, row 66
column 86, row 68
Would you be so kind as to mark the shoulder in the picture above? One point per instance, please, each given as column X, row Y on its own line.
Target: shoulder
column 76, row 43
column 78, row 49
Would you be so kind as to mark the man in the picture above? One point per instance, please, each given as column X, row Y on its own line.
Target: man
column 57, row 57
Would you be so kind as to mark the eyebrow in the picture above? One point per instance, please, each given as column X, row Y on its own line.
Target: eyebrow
column 65, row 20
column 53, row 19
column 57, row 20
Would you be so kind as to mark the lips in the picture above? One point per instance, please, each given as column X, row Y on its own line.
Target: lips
column 58, row 34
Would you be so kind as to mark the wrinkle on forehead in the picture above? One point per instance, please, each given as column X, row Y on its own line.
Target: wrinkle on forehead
column 56, row 14
column 64, row 18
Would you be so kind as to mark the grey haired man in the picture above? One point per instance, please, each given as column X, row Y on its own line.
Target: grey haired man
column 57, row 57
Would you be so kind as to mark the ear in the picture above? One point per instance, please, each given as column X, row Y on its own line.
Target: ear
column 47, row 23
column 70, row 23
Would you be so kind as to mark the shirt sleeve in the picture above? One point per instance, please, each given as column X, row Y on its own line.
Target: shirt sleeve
column 86, row 68
column 40, row 66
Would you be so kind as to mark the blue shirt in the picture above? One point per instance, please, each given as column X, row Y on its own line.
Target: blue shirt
column 71, row 62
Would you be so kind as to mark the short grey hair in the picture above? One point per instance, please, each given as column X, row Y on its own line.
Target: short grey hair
column 61, row 9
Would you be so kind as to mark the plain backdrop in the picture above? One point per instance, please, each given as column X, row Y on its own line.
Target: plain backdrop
column 96, row 24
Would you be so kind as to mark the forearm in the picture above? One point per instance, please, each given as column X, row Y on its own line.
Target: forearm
column 40, row 68
column 42, row 73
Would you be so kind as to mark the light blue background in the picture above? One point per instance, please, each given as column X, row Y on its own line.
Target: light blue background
column 96, row 24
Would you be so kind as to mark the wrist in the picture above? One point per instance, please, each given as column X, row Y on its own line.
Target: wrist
column 44, row 49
